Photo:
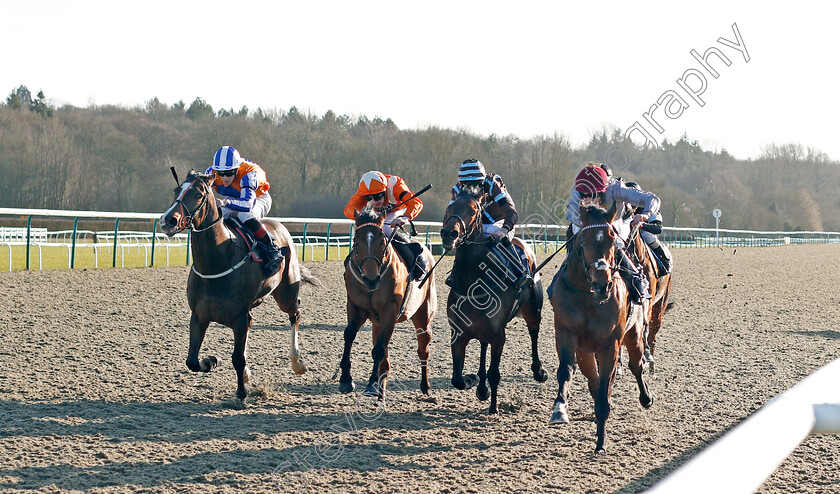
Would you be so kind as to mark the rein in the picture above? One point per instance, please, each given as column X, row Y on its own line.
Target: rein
column 189, row 219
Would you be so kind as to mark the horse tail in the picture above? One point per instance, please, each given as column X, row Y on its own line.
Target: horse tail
column 307, row 277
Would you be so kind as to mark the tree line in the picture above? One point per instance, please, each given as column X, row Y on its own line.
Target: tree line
column 110, row 158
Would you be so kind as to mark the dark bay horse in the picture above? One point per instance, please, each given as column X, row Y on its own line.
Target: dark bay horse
column 225, row 282
column 379, row 290
column 593, row 317
column 481, row 301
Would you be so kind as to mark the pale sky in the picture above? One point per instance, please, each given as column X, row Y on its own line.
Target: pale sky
column 523, row 68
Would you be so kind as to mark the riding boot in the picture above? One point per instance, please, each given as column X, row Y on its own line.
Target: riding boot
column 421, row 267
column 523, row 278
column 664, row 257
column 274, row 256
column 411, row 260
column 634, row 278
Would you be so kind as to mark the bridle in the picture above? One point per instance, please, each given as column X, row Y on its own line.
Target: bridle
column 187, row 220
column 383, row 263
column 599, row 263
column 475, row 224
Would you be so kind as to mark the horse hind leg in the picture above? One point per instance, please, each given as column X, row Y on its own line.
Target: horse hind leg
column 494, row 375
column 240, row 344
column 482, row 392
column 635, row 355
column 298, row 367
column 198, row 329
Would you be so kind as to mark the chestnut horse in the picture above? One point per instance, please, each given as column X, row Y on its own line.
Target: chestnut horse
column 225, row 282
column 482, row 301
column 593, row 317
column 379, row 290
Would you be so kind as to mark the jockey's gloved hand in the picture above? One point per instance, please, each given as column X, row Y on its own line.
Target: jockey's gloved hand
column 639, row 218
column 398, row 222
column 500, row 234
column 221, row 202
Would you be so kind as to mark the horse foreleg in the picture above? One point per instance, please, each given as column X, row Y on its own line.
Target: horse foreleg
column 458, row 345
column 424, row 343
column 240, row 351
column 381, row 366
column 531, row 311
column 198, row 329
column 354, row 321
column 607, row 358
column 494, row 376
column 565, row 344
column 294, row 351
column 482, row 392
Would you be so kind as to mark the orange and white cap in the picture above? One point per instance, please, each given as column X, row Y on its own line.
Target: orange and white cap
column 372, row 182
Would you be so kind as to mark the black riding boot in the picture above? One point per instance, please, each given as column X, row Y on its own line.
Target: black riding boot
column 274, row 256
column 523, row 278
column 636, row 282
column 664, row 257
column 416, row 264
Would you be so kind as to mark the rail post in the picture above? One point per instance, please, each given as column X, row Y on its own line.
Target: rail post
column 73, row 242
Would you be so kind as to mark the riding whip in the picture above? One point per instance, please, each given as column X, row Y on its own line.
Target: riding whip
column 424, row 189
column 431, row 271
column 552, row 255
column 175, row 174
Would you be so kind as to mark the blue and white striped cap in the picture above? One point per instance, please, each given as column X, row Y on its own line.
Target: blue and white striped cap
column 471, row 170
column 226, row 158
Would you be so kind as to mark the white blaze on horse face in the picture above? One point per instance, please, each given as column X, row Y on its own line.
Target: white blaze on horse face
column 599, row 237
column 369, row 237
column 184, row 188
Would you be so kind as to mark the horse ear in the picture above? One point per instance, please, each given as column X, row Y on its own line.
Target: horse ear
column 355, row 214
column 611, row 213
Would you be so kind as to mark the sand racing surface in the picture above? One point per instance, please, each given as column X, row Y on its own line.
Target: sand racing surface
column 95, row 395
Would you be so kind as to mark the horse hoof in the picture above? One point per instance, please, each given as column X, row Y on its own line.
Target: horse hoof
column 600, row 450
column 371, row 390
column 649, row 403
column 424, row 388
column 298, row 367
column 559, row 418
column 541, row 376
column 208, row 363
column 241, row 394
column 346, row 387
column 482, row 393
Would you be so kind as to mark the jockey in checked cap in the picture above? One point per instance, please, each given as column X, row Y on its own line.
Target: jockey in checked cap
column 244, row 190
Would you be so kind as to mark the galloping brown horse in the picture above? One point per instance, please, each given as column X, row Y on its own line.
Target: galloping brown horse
column 481, row 301
column 225, row 282
column 593, row 317
column 378, row 289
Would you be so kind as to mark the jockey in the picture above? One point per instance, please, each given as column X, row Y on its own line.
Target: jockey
column 499, row 216
column 244, row 190
column 593, row 184
column 382, row 192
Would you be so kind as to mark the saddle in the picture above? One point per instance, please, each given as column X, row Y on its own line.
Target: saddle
column 244, row 239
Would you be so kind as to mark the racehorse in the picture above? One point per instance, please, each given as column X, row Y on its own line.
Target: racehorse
column 379, row 290
column 225, row 281
column 593, row 317
column 481, row 301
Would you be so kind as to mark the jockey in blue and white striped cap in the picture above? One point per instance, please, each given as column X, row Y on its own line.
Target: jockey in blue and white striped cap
column 471, row 171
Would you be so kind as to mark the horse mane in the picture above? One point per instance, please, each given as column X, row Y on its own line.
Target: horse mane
column 369, row 215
